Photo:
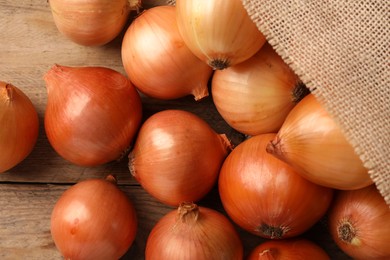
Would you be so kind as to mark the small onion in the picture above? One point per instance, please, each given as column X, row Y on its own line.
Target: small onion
column 359, row 222
column 157, row 60
column 219, row 32
column 265, row 196
column 194, row 232
column 297, row 249
column 92, row 113
column 177, row 156
column 91, row 22
column 93, row 219
column 19, row 126
column 312, row 142
column 255, row 96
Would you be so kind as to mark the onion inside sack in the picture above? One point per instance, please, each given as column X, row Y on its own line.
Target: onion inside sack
column 266, row 196
column 193, row 232
column 157, row 60
column 297, row 249
column 177, row 156
column 91, row 22
column 93, row 219
column 312, row 142
column 255, row 96
column 92, row 114
column 19, row 126
column 359, row 222
column 219, row 32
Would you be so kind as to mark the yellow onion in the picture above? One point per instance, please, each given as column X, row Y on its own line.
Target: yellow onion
column 193, row 232
column 157, row 60
column 19, row 126
column 255, row 96
column 219, row 32
column 91, row 22
column 92, row 113
column 359, row 222
column 297, row 249
column 177, row 156
column 93, row 219
column 266, row 196
column 312, row 142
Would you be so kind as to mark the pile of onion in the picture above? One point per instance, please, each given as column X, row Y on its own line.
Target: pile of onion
column 157, row 60
column 359, row 222
column 194, row 232
column 93, row 219
column 19, row 126
column 177, row 156
column 92, row 114
column 266, row 196
column 312, row 142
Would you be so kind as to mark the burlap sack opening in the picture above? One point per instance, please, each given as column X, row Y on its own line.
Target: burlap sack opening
column 340, row 49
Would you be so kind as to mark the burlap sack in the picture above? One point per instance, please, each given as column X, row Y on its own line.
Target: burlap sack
column 340, row 49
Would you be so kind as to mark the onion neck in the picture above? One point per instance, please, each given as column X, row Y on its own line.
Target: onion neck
column 188, row 213
column 9, row 92
column 269, row 254
column 299, row 92
column 111, row 178
column 274, row 147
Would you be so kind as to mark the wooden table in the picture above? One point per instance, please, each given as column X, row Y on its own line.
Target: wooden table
column 29, row 45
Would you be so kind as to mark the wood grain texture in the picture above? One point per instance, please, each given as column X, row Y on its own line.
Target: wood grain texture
column 29, row 46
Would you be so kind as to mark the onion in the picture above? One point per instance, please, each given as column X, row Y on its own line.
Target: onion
column 255, row 96
column 157, row 60
column 193, row 232
column 312, row 142
column 219, row 32
column 93, row 219
column 177, row 156
column 19, row 126
column 92, row 113
column 265, row 196
column 91, row 22
column 359, row 222
column 298, row 249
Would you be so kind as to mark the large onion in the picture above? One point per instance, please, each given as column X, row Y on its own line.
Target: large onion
column 93, row 219
column 312, row 142
column 219, row 32
column 255, row 96
column 157, row 60
column 193, row 232
column 359, row 221
column 266, row 196
column 92, row 113
column 177, row 156
column 19, row 126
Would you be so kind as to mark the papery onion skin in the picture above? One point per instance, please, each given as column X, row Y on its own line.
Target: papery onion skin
column 91, row 22
column 193, row 232
column 19, row 126
column 157, row 60
column 93, row 219
column 265, row 196
column 219, row 32
column 177, row 156
column 255, row 96
column 359, row 222
column 312, row 142
column 297, row 249
column 92, row 114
